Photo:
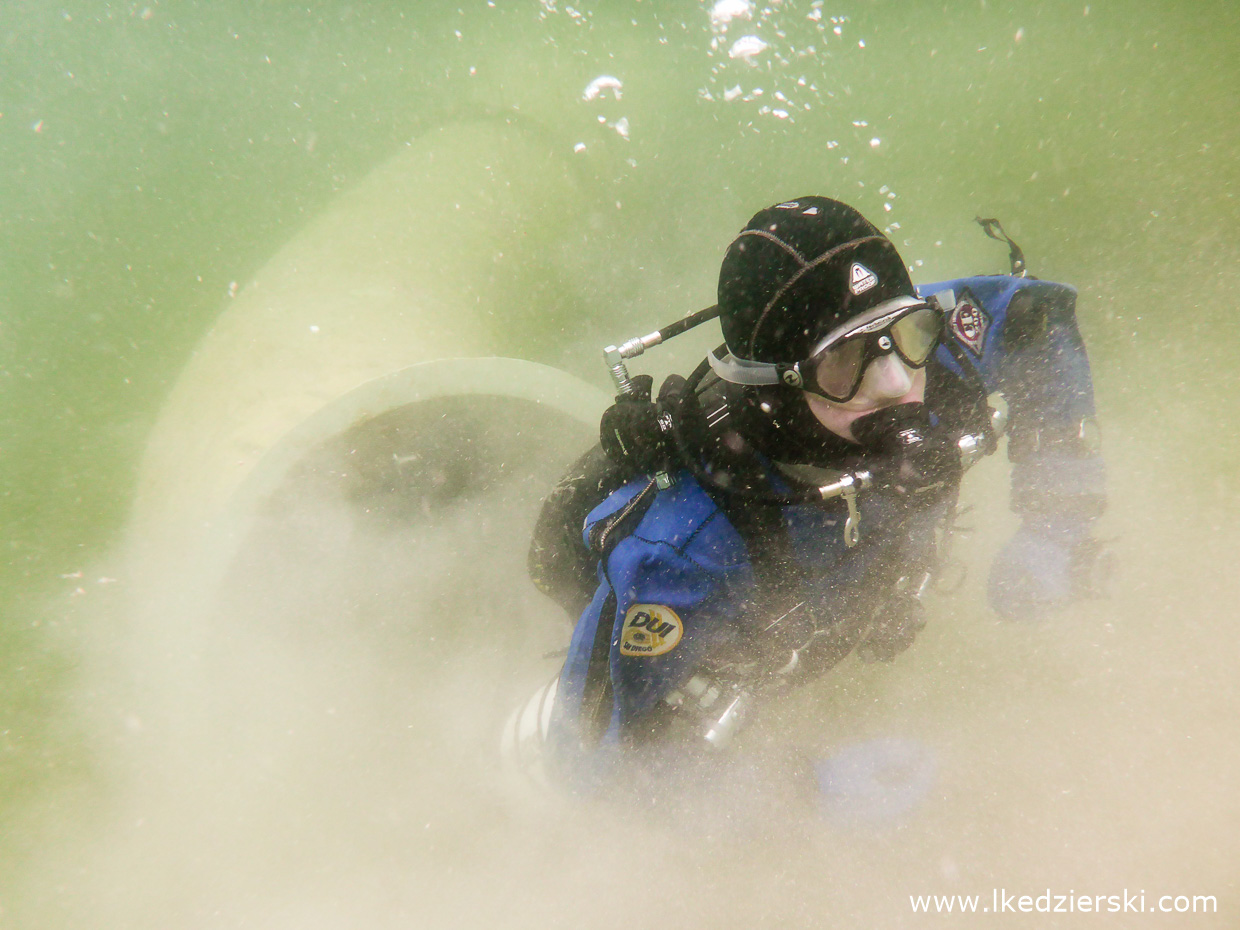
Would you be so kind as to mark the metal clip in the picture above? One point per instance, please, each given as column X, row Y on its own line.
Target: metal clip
column 847, row 487
column 852, row 526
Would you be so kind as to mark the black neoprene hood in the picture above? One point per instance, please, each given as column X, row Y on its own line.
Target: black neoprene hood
column 796, row 271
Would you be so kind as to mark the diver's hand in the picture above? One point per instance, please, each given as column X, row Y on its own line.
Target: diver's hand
column 629, row 430
column 642, row 435
column 1047, row 563
column 678, row 399
column 893, row 630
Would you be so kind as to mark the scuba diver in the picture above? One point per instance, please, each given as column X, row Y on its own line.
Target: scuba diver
column 789, row 503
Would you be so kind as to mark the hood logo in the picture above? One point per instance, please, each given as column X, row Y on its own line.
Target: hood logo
column 861, row 279
column 650, row 630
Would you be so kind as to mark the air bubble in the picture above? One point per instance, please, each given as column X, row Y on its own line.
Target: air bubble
column 724, row 11
column 747, row 48
column 603, row 82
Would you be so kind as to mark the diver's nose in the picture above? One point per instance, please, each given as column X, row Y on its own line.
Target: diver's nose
column 886, row 378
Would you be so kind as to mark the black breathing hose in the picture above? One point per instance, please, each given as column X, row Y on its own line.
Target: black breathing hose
column 690, row 461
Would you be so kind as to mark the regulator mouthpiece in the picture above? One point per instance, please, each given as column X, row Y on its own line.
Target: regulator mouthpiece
column 894, row 429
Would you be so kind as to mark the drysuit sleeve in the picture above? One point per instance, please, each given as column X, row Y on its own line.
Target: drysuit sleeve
column 1053, row 441
column 1022, row 336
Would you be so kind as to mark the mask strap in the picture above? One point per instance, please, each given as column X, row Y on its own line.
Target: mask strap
column 742, row 371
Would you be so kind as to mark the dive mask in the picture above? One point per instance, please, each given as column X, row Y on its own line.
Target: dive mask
column 908, row 326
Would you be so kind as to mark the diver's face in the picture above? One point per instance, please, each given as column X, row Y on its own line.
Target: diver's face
column 887, row 381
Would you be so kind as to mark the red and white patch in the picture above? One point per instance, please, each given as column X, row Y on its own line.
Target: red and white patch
column 969, row 324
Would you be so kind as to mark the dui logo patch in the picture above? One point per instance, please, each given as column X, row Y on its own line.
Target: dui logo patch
column 650, row 630
column 969, row 323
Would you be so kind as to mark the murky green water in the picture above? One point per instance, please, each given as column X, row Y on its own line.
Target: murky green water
column 154, row 157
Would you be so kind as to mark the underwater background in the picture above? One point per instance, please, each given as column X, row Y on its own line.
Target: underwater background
column 540, row 179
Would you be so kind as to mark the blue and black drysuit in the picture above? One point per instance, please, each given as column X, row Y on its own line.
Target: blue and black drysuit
column 680, row 590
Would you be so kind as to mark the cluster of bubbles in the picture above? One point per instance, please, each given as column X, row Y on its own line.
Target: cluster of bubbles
column 549, row 6
column 770, row 65
column 759, row 56
column 775, row 46
column 598, row 89
column 770, row 58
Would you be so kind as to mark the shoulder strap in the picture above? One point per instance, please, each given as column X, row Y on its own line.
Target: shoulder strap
column 978, row 407
column 760, row 525
column 765, row 534
column 1015, row 255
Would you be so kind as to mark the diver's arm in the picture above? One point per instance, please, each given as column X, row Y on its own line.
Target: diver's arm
column 1053, row 439
column 1058, row 483
column 671, row 599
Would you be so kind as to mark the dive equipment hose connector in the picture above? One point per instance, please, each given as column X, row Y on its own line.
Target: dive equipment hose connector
column 972, row 447
column 972, row 450
column 702, row 696
column 615, row 356
column 730, row 721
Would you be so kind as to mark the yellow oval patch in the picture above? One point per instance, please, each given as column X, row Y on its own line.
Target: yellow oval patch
column 650, row 630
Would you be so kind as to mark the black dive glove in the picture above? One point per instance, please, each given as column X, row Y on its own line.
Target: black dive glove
column 641, row 436
column 1049, row 562
column 629, row 430
column 892, row 629
column 907, row 454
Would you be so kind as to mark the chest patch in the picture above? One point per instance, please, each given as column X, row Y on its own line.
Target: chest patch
column 650, row 630
column 969, row 323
